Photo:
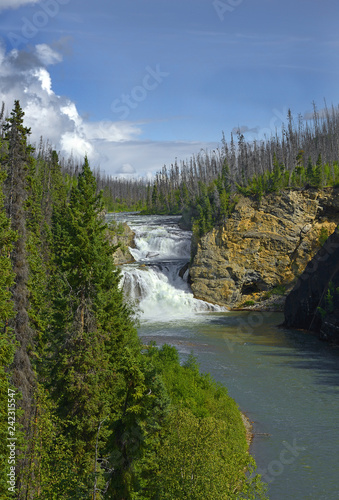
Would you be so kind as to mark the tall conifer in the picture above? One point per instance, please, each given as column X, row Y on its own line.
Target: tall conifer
column 16, row 161
column 93, row 339
column 7, row 346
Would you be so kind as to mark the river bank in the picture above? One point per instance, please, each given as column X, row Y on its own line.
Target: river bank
column 248, row 427
column 285, row 382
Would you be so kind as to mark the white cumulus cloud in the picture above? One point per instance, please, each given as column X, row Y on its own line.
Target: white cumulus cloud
column 47, row 55
column 77, row 144
column 24, row 76
column 44, row 78
column 127, row 169
column 114, row 146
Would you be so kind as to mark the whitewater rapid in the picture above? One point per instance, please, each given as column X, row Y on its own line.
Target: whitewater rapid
column 156, row 282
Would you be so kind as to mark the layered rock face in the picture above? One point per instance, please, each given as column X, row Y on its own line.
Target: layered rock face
column 125, row 237
column 262, row 245
column 313, row 304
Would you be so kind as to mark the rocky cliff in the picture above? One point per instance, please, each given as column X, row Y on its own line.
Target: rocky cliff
column 121, row 234
column 262, row 245
column 313, row 304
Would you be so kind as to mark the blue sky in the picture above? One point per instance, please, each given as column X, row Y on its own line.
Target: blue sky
column 137, row 83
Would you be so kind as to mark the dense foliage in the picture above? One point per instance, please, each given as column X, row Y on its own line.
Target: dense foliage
column 98, row 416
column 202, row 449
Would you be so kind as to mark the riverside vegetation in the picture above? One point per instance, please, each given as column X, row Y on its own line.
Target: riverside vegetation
column 98, row 416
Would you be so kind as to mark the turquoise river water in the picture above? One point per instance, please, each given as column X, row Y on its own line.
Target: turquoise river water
column 285, row 381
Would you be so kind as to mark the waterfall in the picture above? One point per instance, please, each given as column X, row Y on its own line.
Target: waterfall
column 161, row 244
column 161, row 250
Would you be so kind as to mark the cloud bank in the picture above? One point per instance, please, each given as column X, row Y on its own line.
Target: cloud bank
column 114, row 146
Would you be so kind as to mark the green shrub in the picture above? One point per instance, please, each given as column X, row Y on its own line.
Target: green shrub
column 279, row 290
column 248, row 303
column 323, row 236
column 202, row 450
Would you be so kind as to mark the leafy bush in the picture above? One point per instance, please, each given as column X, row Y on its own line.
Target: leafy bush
column 279, row 290
column 248, row 303
column 202, row 451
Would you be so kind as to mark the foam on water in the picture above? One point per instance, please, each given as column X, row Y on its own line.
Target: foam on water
column 162, row 294
column 161, row 251
column 160, row 244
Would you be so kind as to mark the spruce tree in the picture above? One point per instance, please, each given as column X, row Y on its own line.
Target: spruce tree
column 16, row 163
column 93, row 341
column 318, row 176
column 226, row 178
column 309, row 171
column 7, row 345
column 276, row 174
column 155, row 198
column 224, row 201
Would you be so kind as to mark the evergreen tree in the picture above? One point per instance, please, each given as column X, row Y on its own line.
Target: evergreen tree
column 54, row 190
column 223, row 205
column 135, row 439
column 185, row 197
column 37, row 258
column 7, row 345
column 94, row 343
column 155, row 198
column 226, row 177
column 216, row 203
column 276, row 175
column 16, row 162
column 309, row 171
column 149, row 205
column 318, row 176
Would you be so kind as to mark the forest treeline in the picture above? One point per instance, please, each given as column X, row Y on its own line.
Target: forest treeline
column 204, row 189
column 98, row 415
column 119, row 194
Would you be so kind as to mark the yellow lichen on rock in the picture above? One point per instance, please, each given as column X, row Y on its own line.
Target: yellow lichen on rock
column 122, row 235
column 262, row 244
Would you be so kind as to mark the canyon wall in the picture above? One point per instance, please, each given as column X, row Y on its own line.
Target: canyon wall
column 313, row 304
column 263, row 245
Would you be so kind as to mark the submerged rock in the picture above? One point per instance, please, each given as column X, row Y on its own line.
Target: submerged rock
column 262, row 245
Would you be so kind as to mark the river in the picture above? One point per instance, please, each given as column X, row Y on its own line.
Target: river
column 287, row 382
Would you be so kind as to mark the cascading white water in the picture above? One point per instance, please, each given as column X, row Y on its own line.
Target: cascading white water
column 160, row 243
column 162, row 295
column 161, row 250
